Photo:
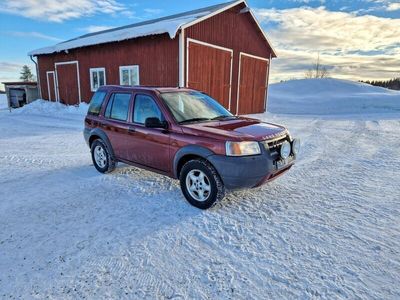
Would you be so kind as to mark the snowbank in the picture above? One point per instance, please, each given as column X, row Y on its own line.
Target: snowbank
column 3, row 101
column 43, row 107
column 331, row 96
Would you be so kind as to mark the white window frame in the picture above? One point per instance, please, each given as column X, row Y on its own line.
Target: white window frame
column 129, row 68
column 91, row 71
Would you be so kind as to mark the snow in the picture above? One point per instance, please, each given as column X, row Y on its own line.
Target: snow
column 3, row 101
column 170, row 26
column 331, row 96
column 329, row 228
column 43, row 107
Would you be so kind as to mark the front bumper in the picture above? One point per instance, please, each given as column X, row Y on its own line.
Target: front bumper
column 250, row 171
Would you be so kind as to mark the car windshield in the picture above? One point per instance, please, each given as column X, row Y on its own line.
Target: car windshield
column 194, row 107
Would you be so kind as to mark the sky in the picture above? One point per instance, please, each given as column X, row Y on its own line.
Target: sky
column 356, row 40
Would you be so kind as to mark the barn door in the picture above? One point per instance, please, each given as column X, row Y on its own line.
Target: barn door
column 252, row 86
column 209, row 69
column 68, row 85
column 51, row 86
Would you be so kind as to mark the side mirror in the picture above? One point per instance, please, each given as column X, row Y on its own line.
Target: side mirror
column 155, row 123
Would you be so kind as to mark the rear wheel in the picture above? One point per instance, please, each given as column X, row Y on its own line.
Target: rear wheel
column 200, row 183
column 102, row 159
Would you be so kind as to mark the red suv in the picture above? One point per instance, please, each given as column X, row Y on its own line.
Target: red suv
column 187, row 135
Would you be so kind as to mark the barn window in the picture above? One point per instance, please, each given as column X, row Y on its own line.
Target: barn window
column 97, row 78
column 129, row 75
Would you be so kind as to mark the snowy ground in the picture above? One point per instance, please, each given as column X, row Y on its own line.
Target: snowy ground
column 330, row 228
column 3, row 101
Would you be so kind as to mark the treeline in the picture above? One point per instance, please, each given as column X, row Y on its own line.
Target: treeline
column 393, row 84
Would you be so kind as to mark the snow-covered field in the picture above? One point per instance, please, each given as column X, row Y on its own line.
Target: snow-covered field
column 330, row 228
column 331, row 96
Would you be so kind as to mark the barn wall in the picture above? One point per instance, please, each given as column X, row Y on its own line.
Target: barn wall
column 233, row 30
column 157, row 57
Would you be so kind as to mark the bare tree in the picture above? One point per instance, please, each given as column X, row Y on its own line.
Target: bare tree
column 317, row 70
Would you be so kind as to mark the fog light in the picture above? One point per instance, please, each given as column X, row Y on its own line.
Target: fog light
column 296, row 146
column 285, row 149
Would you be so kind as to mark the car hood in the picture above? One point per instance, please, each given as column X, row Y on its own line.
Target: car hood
column 237, row 129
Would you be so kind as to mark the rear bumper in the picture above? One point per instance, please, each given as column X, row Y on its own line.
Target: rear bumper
column 86, row 135
column 249, row 171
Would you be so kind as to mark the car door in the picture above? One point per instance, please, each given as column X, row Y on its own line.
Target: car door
column 148, row 146
column 115, row 122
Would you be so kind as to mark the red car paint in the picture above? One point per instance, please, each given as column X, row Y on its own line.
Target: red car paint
column 155, row 148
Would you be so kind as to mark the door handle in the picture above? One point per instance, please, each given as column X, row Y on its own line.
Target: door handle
column 131, row 129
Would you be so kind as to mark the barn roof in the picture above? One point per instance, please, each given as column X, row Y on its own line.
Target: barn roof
column 170, row 24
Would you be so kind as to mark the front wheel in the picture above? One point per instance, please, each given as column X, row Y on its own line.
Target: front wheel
column 200, row 183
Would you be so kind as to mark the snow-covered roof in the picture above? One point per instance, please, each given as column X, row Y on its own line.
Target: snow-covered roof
column 169, row 24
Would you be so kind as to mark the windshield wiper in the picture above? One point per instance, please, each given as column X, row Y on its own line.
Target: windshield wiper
column 194, row 120
column 221, row 117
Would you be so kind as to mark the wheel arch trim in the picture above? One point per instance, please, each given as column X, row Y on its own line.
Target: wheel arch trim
column 195, row 150
column 103, row 136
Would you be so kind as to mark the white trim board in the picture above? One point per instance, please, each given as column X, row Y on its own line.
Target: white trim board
column 238, row 84
column 229, row 7
column 267, row 89
column 189, row 40
column 48, row 85
column 182, row 58
column 77, row 74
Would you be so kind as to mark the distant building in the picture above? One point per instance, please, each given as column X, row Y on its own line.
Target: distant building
column 20, row 93
column 220, row 50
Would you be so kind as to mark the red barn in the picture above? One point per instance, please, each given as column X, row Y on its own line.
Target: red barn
column 220, row 50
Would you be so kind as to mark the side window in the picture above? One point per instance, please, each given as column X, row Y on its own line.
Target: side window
column 129, row 75
column 97, row 78
column 96, row 103
column 118, row 106
column 145, row 107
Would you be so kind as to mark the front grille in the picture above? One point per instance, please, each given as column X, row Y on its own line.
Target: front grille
column 274, row 144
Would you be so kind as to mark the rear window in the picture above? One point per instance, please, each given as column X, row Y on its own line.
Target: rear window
column 118, row 107
column 96, row 103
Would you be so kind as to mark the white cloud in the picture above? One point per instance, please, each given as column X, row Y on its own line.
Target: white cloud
column 33, row 34
column 96, row 28
column 153, row 11
column 59, row 11
column 358, row 47
column 393, row 6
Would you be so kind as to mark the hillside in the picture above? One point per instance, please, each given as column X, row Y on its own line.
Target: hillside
column 331, row 96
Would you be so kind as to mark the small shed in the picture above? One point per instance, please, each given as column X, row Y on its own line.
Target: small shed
column 221, row 50
column 21, row 93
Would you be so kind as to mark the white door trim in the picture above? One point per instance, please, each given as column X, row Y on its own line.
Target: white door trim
column 48, row 85
column 182, row 58
column 266, row 90
column 189, row 40
column 77, row 74
column 238, row 85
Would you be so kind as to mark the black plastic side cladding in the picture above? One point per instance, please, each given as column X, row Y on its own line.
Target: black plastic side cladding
column 88, row 133
column 190, row 150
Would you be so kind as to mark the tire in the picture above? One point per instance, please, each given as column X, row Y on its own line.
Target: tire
column 106, row 163
column 204, row 193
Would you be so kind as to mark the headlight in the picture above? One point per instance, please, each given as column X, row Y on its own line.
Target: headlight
column 242, row 148
column 296, row 146
column 285, row 149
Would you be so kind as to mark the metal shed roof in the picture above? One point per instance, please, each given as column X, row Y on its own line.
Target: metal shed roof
column 170, row 24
